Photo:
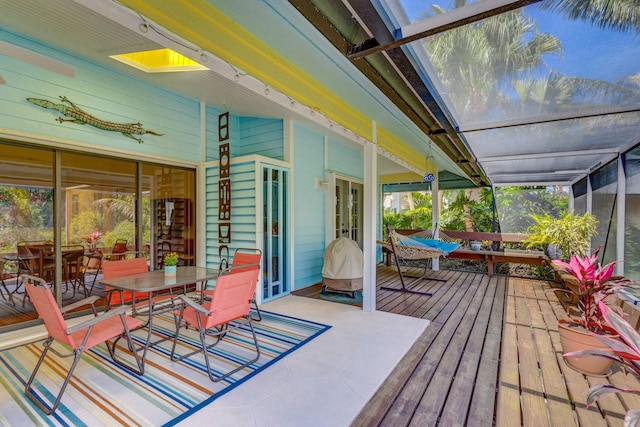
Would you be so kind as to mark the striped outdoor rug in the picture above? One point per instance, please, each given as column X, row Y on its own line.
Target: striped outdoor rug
column 103, row 393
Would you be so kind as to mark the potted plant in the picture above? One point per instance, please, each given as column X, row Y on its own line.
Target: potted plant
column 170, row 263
column 594, row 284
column 570, row 234
column 625, row 351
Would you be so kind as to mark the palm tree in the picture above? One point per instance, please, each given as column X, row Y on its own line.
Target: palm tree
column 479, row 62
column 618, row 15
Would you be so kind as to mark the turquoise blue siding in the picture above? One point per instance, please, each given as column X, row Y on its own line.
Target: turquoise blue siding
column 247, row 135
column 309, row 206
column 243, row 210
column 261, row 136
column 103, row 93
column 345, row 160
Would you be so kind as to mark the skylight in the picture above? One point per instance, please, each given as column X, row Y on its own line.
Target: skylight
column 159, row 61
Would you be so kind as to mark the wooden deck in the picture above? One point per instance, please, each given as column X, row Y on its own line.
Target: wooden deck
column 490, row 357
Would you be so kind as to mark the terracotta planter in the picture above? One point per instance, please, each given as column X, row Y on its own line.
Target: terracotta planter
column 574, row 338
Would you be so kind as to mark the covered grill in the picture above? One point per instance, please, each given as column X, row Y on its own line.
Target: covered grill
column 343, row 266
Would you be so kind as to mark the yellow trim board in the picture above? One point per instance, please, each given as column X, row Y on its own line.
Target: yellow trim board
column 208, row 28
column 389, row 142
column 400, row 178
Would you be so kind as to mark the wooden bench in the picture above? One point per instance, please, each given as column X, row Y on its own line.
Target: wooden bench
column 491, row 257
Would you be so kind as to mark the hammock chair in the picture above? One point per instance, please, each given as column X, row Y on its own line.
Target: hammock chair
column 412, row 248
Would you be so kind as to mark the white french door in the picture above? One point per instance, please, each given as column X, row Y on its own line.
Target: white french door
column 348, row 209
column 275, row 202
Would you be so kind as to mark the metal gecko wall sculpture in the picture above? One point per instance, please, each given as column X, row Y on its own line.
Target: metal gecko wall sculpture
column 78, row 115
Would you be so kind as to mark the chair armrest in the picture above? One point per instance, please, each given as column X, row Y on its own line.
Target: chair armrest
column 86, row 301
column 189, row 302
column 122, row 309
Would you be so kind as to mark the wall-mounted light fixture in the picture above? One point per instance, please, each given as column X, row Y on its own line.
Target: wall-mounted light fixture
column 321, row 185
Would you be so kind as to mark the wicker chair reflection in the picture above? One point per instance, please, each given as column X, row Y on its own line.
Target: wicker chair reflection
column 36, row 258
column 77, row 338
column 118, row 250
column 4, row 292
column 89, row 271
column 72, row 269
column 228, row 310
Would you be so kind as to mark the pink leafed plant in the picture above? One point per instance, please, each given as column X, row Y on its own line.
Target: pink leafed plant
column 595, row 283
column 625, row 352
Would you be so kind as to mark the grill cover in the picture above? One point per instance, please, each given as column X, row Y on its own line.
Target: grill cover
column 343, row 265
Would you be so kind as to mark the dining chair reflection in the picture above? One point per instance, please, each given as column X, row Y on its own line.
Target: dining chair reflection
column 118, row 250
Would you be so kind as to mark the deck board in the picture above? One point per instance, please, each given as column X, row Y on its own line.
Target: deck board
column 491, row 356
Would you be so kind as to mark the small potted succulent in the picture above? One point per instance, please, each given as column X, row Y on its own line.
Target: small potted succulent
column 170, row 263
column 594, row 284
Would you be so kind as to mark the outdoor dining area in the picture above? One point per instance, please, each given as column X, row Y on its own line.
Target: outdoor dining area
column 214, row 302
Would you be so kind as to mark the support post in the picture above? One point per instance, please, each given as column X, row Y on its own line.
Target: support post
column 369, row 226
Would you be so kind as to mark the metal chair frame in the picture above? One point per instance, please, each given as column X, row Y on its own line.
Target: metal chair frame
column 212, row 322
column 95, row 323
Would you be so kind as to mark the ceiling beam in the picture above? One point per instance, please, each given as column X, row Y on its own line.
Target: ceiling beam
column 447, row 21
column 548, row 155
column 551, row 118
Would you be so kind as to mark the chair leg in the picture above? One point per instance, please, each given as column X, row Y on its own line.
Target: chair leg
column 205, row 347
column 29, row 391
column 240, row 367
column 217, row 335
column 255, row 305
column 93, row 284
column 139, row 369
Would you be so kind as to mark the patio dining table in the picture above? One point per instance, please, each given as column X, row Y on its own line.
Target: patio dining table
column 157, row 281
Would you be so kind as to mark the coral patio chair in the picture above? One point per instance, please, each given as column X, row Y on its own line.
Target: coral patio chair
column 231, row 301
column 243, row 259
column 124, row 267
column 78, row 338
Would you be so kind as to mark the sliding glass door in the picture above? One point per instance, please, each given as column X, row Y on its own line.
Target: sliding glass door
column 59, row 208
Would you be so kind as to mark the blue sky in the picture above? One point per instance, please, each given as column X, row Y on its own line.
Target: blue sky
column 588, row 51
